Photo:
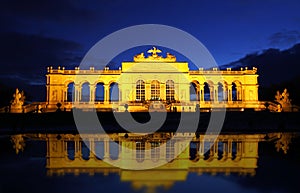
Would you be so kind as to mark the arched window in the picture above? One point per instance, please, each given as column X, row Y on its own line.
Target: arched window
column 114, row 92
column 220, row 92
column 99, row 92
column 234, row 92
column 193, row 92
column 155, row 90
column 206, row 92
column 140, row 90
column 85, row 92
column 71, row 92
column 170, row 90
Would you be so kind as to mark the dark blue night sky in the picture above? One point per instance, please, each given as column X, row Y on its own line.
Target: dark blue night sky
column 36, row 34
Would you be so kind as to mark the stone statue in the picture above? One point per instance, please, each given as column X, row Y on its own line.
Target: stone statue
column 170, row 56
column 19, row 98
column 139, row 56
column 278, row 96
column 284, row 101
column 154, row 57
column 285, row 97
column 17, row 102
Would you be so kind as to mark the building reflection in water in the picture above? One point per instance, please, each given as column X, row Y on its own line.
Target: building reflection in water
column 228, row 153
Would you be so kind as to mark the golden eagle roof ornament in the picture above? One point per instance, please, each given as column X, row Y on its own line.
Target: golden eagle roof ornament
column 154, row 57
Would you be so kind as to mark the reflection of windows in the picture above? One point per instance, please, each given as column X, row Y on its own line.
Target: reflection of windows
column 170, row 151
column 155, row 151
column 140, row 151
column 140, row 90
column 155, row 90
column 170, row 90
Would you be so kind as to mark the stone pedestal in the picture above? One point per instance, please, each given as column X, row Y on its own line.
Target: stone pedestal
column 16, row 109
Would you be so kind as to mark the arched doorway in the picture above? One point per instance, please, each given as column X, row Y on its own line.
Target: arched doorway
column 71, row 92
column 206, row 92
column 85, row 92
column 220, row 92
column 194, row 96
column 114, row 92
column 234, row 92
column 99, row 92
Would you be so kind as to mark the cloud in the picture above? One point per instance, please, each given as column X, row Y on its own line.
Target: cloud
column 24, row 59
column 284, row 38
column 54, row 10
column 31, row 53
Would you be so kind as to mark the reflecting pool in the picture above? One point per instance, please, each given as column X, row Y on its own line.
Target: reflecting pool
column 256, row 162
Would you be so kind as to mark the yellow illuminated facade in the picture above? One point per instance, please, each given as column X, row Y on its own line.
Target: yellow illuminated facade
column 152, row 82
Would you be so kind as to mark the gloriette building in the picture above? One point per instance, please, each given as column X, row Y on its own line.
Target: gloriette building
column 152, row 83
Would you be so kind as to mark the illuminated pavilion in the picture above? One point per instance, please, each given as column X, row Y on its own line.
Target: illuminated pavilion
column 155, row 83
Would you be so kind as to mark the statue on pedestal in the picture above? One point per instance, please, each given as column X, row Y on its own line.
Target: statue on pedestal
column 283, row 100
column 17, row 102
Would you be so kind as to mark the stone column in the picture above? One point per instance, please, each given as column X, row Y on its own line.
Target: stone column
column 239, row 92
column 211, row 93
column 201, row 92
column 65, row 94
column 229, row 92
column 225, row 93
column 77, row 92
column 106, row 93
column 216, row 97
column 198, row 92
column 92, row 93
